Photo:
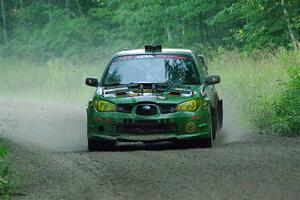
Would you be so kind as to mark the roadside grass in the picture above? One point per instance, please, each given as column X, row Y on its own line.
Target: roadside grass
column 4, row 184
column 253, row 84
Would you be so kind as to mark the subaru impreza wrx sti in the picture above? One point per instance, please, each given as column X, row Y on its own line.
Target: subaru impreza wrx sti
column 152, row 95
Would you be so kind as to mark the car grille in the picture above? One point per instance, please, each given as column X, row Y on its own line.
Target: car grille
column 146, row 127
column 168, row 107
column 126, row 108
column 164, row 108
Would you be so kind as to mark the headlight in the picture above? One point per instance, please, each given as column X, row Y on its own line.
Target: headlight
column 191, row 105
column 104, row 106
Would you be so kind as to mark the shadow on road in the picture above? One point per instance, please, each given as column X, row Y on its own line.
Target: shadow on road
column 137, row 146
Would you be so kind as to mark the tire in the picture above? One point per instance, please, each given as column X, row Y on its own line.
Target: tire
column 195, row 143
column 207, row 142
column 214, row 122
column 202, row 143
column 220, row 114
column 100, row 145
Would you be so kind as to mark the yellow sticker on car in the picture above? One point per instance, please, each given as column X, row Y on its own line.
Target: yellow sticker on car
column 190, row 127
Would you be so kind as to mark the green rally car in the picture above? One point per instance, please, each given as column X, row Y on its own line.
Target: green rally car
column 153, row 95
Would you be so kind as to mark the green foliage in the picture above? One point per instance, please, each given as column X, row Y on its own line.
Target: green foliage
column 288, row 105
column 88, row 29
column 282, row 115
column 3, row 170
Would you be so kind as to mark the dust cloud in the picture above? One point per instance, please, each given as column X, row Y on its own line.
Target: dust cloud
column 62, row 126
column 234, row 128
column 53, row 126
column 40, row 114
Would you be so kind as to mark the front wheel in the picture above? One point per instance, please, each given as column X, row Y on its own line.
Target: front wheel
column 100, row 145
column 207, row 142
column 194, row 143
column 220, row 114
column 214, row 123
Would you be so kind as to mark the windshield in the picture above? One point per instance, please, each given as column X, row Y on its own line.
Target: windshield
column 175, row 69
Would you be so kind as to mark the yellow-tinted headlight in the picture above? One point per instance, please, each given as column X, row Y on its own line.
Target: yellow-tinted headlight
column 105, row 106
column 191, row 105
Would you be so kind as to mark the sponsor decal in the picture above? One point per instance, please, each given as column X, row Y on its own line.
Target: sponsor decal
column 190, row 127
column 124, row 58
column 171, row 57
column 143, row 57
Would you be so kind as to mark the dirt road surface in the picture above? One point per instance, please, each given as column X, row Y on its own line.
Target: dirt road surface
column 49, row 161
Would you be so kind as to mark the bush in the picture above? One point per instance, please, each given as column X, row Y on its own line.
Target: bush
column 4, row 190
column 282, row 116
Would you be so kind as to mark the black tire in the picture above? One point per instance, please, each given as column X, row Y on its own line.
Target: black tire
column 220, row 114
column 206, row 142
column 100, row 145
column 196, row 143
column 202, row 142
column 214, row 121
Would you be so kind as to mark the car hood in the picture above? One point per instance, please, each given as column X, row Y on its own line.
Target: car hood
column 123, row 95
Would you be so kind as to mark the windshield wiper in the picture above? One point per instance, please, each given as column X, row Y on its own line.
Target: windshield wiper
column 172, row 85
column 155, row 87
column 112, row 84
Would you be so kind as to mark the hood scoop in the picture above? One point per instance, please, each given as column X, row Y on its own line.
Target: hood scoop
column 133, row 90
column 174, row 93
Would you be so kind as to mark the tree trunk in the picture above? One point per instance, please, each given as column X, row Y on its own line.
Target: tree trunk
column 182, row 28
column 294, row 41
column 4, row 22
column 79, row 7
column 68, row 9
column 169, row 34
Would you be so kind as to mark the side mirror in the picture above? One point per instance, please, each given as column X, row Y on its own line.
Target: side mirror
column 91, row 82
column 213, row 79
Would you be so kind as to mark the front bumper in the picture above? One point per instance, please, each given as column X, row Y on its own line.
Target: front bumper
column 189, row 125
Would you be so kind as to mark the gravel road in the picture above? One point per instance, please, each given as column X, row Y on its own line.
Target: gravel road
column 49, row 161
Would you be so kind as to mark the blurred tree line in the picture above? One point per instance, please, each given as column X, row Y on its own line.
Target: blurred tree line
column 86, row 29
